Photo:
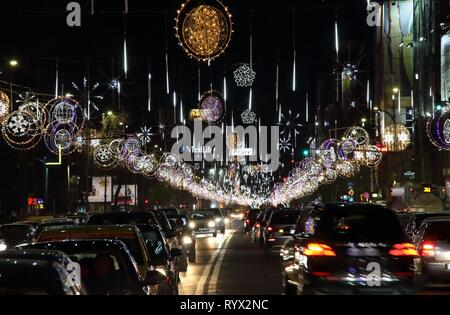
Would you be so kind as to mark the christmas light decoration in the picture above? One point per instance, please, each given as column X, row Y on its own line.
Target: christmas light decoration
column 212, row 107
column 204, row 30
column 248, row 117
column 145, row 135
column 396, row 138
column 244, row 76
column 5, row 106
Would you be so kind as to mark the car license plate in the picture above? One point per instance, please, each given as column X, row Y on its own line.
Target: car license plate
column 447, row 266
column 363, row 252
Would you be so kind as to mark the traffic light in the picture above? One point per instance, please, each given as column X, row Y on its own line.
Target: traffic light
column 305, row 153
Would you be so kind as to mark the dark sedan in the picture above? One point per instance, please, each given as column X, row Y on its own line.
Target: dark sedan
column 355, row 249
column 107, row 267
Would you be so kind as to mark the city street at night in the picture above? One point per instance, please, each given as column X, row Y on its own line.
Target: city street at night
column 225, row 155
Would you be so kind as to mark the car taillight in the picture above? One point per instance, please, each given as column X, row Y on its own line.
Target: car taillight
column 247, row 221
column 315, row 249
column 258, row 225
column 270, row 229
column 427, row 250
column 405, row 249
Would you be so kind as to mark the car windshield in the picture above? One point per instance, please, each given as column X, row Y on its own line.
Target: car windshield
column 438, row 232
column 104, row 272
column 353, row 225
column 285, row 218
column 26, row 280
column 202, row 216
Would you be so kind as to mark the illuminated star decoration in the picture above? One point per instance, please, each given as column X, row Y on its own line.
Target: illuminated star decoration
column 145, row 135
column 290, row 124
column 88, row 93
column 248, row 117
column 285, row 144
column 244, row 76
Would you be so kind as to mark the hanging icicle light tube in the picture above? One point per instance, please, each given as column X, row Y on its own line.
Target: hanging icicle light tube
column 204, row 31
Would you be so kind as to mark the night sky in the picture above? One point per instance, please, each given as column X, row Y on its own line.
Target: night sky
column 35, row 33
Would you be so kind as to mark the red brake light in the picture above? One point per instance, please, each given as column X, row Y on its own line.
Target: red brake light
column 258, row 225
column 427, row 250
column 313, row 249
column 405, row 249
column 270, row 229
column 247, row 221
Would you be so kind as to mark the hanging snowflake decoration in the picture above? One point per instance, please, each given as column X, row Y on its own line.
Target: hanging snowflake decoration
column 290, row 124
column 285, row 144
column 244, row 76
column 349, row 72
column 146, row 135
column 248, row 117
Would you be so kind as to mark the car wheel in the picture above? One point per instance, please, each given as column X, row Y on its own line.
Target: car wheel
column 215, row 234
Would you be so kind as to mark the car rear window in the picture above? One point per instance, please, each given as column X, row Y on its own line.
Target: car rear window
column 13, row 231
column 353, row 225
column 285, row 218
column 438, row 231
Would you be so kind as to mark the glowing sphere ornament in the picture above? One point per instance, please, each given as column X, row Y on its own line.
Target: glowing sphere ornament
column 204, row 28
column 4, row 106
column 438, row 129
column 212, row 107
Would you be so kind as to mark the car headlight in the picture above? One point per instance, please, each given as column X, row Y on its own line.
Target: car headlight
column 192, row 225
column 187, row 240
column 211, row 224
column 2, row 245
column 218, row 220
column 227, row 221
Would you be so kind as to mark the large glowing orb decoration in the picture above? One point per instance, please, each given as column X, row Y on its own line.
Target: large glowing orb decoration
column 4, row 106
column 212, row 107
column 204, row 28
column 396, row 138
column 438, row 129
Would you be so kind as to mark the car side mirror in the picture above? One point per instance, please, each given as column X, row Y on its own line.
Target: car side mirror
column 176, row 252
column 155, row 277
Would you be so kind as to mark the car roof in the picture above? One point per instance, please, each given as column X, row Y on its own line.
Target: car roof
column 91, row 244
column 354, row 206
column 35, row 254
column 98, row 230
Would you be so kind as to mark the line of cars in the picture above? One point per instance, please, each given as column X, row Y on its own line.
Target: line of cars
column 132, row 253
column 355, row 249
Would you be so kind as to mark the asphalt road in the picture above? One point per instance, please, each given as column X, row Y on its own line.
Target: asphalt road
column 231, row 265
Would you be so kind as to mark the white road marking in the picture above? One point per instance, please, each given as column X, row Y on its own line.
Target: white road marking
column 201, row 284
column 213, row 283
